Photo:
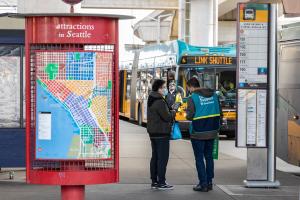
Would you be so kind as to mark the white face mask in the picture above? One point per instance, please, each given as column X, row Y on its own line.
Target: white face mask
column 165, row 92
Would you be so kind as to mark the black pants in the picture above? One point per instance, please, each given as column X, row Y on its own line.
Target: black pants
column 159, row 160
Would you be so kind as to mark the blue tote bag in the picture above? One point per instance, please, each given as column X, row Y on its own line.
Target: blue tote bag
column 176, row 133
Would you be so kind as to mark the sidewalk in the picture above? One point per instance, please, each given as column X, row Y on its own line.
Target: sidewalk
column 134, row 173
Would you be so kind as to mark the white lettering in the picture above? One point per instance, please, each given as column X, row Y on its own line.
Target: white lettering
column 75, row 27
column 206, row 101
column 85, row 34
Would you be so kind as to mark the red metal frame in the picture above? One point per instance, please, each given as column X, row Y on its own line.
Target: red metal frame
column 117, row 150
column 28, row 98
column 71, row 172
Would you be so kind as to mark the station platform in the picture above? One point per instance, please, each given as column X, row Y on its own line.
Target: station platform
column 135, row 151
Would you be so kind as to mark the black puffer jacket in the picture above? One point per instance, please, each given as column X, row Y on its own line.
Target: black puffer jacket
column 159, row 116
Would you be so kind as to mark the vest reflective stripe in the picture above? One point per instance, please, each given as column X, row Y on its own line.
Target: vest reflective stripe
column 208, row 116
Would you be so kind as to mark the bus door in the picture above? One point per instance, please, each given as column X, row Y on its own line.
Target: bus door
column 226, row 88
column 205, row 76
column 226, row 79
column 207, row 79
column 125, row 82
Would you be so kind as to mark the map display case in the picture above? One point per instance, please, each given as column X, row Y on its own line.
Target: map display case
column 72, row 127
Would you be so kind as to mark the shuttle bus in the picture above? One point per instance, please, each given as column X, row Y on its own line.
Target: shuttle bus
column 215, row 68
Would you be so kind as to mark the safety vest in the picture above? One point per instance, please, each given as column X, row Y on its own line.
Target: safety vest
column 207, row 114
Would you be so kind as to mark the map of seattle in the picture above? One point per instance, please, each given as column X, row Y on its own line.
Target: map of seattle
column 73, row 111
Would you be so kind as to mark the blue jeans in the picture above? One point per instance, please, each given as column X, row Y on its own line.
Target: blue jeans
column 159, row 159
column 203, row 150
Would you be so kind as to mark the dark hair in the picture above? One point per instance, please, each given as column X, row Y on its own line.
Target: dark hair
column 158, row 83
column 193, row 82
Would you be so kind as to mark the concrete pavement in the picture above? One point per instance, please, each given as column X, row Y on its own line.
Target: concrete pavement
column 135, row 152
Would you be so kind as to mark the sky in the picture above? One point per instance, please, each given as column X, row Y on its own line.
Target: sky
column 126, row 35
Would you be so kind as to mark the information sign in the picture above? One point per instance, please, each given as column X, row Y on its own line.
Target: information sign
column 252, row 76
column 253, row 45
column 252, row 110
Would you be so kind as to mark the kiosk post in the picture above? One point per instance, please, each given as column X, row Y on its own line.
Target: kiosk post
column 76, row 192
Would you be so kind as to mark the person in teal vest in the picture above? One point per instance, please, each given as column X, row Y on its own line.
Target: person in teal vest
column 203, row 109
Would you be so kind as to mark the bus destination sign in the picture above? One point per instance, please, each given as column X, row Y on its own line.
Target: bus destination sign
column 208, row 60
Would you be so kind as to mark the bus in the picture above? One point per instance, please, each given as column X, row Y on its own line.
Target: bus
column 177, row 61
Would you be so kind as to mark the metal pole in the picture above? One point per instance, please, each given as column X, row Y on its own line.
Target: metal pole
column 72, row 192
column 272, row 94
column 271, row 181
column 133, row 85
column 181, row 20
column 215, row 21
column 158, row 30
column 21, row 87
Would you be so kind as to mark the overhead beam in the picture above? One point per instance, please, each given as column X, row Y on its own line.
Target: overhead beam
column 131, row 4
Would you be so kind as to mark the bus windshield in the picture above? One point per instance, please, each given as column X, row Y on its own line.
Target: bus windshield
column 220, row 80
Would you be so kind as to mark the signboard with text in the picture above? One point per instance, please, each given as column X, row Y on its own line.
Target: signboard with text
column 252, row 74
column 253, row 45
column 84, row 30
column 208, row 60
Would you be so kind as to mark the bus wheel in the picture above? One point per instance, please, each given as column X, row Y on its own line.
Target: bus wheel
column 140, row 120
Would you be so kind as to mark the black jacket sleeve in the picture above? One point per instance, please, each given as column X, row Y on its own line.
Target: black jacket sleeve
column 163, row 111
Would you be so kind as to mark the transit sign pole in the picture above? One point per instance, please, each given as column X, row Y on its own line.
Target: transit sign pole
column 256, row 82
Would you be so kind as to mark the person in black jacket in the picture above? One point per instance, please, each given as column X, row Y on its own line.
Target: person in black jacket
column 159, row 125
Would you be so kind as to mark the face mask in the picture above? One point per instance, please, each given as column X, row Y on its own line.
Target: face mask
column 165, row 92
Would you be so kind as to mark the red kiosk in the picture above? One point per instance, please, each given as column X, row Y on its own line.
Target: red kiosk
column 72, row 128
